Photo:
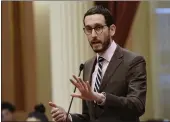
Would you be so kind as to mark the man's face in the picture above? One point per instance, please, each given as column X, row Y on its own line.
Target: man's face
column 7, row 115
column 100, row 37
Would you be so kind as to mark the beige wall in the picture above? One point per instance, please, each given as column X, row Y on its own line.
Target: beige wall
column 61, row 46
column 162, row 45
column 69, row 48
column 138, row 41
column 143, row 39
column 41, row 22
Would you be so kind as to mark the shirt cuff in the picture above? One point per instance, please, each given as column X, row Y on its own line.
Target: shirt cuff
column 103, row 99
column 70, row 118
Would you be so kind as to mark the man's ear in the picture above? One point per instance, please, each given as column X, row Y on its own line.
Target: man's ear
column 112, row 30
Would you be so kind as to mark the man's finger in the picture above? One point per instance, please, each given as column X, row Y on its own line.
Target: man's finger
column 57, row 113
column 77, row 85
column 55, row 110
column 74, row 83
column 80, row 82
column 76, row 95
column 59, row 117
column 52, row 104
column 75, row 78
column 83, row 84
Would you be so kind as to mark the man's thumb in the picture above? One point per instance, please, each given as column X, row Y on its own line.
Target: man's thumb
column 52, row 104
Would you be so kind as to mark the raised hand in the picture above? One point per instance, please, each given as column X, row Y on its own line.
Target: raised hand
column 86, row 93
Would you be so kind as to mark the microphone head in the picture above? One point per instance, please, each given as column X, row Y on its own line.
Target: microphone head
column 81, row 67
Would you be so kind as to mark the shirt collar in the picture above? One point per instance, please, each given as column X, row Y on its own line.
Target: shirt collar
column 107, row 55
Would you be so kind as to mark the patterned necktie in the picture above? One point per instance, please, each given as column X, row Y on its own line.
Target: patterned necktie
column 99, row 74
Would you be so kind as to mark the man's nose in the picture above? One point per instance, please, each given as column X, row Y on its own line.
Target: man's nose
column 94, row 34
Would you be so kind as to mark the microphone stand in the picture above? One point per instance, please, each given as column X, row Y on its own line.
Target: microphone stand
column 80, row 69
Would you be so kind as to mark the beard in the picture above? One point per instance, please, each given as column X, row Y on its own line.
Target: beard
column 99, row 46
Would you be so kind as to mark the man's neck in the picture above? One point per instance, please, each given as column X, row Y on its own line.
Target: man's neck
column 101, row 53
column 108, row 53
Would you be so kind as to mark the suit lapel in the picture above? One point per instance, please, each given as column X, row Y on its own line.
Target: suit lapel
column 88, row 76
column 90, row 69
column 113, row 65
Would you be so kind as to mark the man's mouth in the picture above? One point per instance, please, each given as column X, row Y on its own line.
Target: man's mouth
column 95, row 42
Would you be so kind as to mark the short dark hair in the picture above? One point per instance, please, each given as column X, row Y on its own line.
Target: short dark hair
column 8, row 106
column 109, row 20
column 39, row 113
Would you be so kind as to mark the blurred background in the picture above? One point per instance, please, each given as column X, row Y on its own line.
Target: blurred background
column 43, row 44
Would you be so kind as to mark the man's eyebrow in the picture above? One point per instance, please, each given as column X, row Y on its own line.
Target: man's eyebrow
column 96, row 24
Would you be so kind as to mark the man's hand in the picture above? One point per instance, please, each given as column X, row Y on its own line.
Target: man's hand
column 58, row 113
column 86, row 92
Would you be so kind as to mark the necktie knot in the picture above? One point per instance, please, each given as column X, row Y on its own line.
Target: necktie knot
column 100, row 59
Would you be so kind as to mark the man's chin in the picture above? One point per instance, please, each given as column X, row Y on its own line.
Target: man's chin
column 98, row 50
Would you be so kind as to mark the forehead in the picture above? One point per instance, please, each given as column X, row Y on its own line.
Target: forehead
column 91, row 20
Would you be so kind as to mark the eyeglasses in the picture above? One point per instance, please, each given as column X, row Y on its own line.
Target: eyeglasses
column 97, row 29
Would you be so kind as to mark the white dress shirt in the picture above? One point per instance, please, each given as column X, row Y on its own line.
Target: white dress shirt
column 107, row 55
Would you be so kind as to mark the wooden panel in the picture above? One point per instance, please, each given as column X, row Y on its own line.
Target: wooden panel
column 8, row 90
column 18, row 56
column 18, row 59
column 29, row 54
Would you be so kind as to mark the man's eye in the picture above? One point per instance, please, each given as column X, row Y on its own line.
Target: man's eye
column 98, row 28
column 88, row 29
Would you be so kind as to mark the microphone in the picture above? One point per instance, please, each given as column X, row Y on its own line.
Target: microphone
column 81, row 67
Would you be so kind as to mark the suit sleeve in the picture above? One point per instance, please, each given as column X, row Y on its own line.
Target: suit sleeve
column 134, row 103
column 84, row 117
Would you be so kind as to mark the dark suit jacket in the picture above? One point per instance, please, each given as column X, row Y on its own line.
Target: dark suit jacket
column 124, row 83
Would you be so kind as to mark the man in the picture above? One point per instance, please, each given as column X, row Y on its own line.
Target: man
column 113, row 88
column 8, row 111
